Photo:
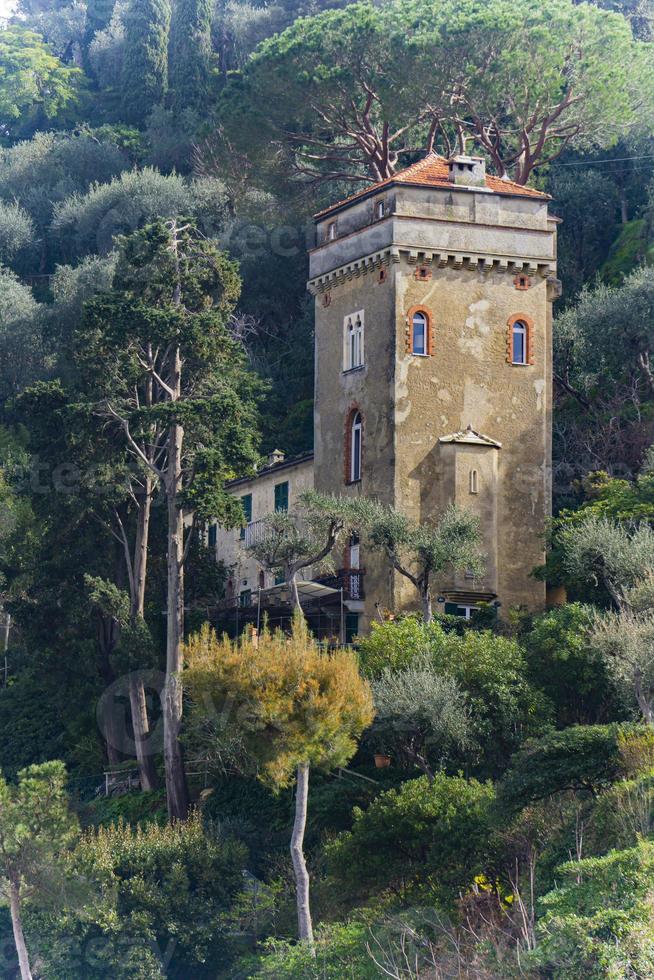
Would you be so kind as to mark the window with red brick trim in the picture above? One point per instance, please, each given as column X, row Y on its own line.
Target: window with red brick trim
column 353, row 462
column 520, row 340
column 419, row 331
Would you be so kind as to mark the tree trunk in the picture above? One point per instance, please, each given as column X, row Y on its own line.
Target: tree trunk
column 113, row 728
column 141, row 730
column 305, row 928
column 291, row 578
column 176, row 789
column 427, row 611
column 138, row 703
column 19, row 936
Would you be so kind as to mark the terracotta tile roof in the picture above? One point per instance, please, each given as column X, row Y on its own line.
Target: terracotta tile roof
column 432, row 171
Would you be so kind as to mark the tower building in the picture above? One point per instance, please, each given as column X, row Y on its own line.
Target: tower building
column 433, row 353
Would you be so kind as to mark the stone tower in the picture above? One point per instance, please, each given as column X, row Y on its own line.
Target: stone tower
column 433, row 294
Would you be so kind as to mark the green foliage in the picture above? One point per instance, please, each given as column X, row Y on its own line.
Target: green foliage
column 90, row 223
column 51, row 166
column 308, row 89
column 16, row 231
column 624, row 814
column 605, row 336
column 35, row 86
column 632, row 248
column 340, row 951
column 489, row 669
column 422, row 552
column 425, row 835
column 162, row 892
column 287, row 701
column 599, row 921
column 190, row 53
column 421, row 715
column 145, row 68
column 30, row 725
column 36, row 828
column 21, row 344
column 131, row 808
column 589, row 200
column 565, row 665
column 582, row 758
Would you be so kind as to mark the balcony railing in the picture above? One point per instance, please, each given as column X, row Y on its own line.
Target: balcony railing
column 253, row 532
column 348, row 579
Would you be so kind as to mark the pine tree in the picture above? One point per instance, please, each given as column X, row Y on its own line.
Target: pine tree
column 145, row 68
column 190, row 53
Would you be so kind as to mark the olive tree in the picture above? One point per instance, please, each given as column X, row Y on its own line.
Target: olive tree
column 422, row 552
column 289, row 543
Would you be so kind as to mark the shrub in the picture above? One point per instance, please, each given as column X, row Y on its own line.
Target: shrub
column 490, row 670
column 423, row 835
column 599, row 921
column 340, row 951
column 583, row 758
column 154, row 905
column 563, row 664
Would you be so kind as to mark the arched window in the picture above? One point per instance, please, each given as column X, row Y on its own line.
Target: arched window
column 353, row 446
column 474, row 481
column 262, row 580
column 353, row 342
column 419, row 339
column 419, row 333
column 519, row 338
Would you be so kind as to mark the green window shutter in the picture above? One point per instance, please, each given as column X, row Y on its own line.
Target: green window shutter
column 281, row 496
column 246, row 504
column 213, row 535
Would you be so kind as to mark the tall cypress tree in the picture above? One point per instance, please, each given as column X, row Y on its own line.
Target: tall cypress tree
column 98, row 17
column 190, row 53
column 145, row 68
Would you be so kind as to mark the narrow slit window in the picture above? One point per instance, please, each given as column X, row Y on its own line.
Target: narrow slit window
column 356, row 440
column 380, row 209
column 474, row 481
column 331, row 231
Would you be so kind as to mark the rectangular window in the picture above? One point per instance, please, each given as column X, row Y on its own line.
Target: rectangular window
column 279, row 578
column 281, row 496
column 246, row 504
column 213, row 535
column 353, row 332
column 245, row 598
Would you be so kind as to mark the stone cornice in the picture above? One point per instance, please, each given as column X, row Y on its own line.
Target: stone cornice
column 424, row 256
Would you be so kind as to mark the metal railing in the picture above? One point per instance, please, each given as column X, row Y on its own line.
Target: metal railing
column 350, row 580
column 253, row 532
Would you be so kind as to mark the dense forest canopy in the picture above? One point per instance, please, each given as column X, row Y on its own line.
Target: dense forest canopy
column 160, row 161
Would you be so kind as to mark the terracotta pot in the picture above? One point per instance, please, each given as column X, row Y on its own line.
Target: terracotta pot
column 382, row 761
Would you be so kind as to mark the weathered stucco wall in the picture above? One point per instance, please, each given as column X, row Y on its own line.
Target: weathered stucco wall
column 230, row 547
column 472, row 246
